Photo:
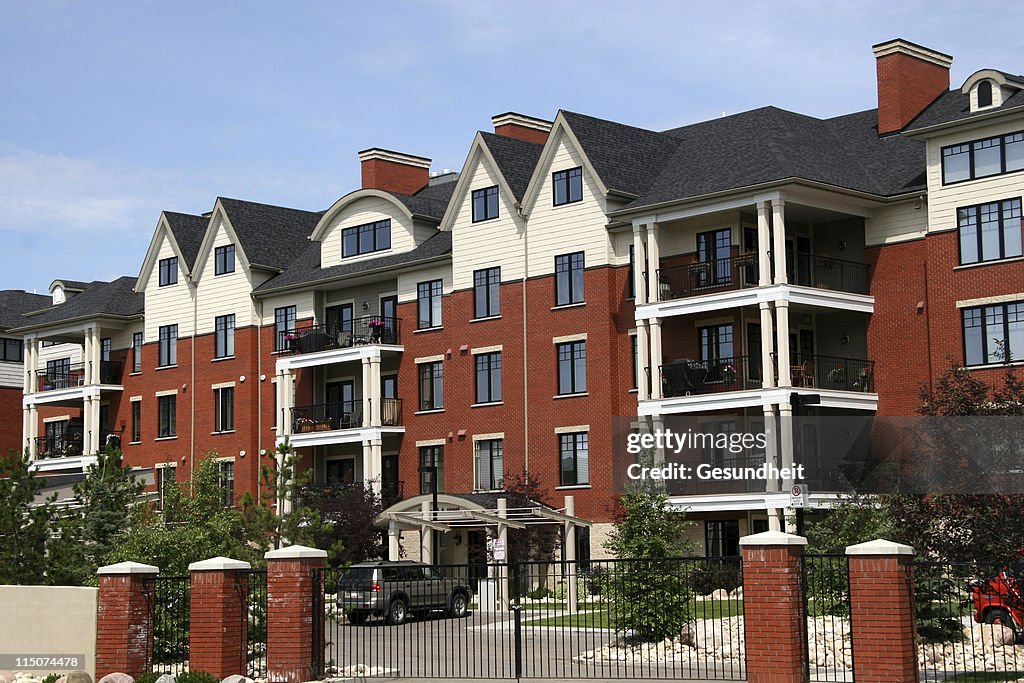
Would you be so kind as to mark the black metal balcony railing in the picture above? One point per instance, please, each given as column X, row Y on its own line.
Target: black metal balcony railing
column 685, row 377
column 826, row 272
column 734, row 272
column 830, row 372
column 69, row 376
column 325, row 417
column 69, row 444
column 319, row 495
column 340, row 335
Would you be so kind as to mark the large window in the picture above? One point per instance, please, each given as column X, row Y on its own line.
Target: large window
column 136, row 421
column 166, row 475
column 486, row 292
column 168, row 345
column 105, row 347
column 12, row 350
column 989, row 232
column 224, row 259
column 167, row 416
column 485, row 204
column 713, row 250
column 431, row 386
column 168, row 271
column 137, row 352
column 567, row 186
column 225, row 336
column 982, row 158
column 431, row 457
column 284, row 322
column 224, row 409
column 428, row 298
column 993, row 334
column 569, row 279
column 572, row 367
column 574, row 455
column 489, row 465
column 226, row 480
column 488, row 377
column 722, row 538
column 365, row 239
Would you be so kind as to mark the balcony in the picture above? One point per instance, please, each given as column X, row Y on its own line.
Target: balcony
column 341, row 335
column 318, row 496
column 687, row 377
column 69, row 443
column 71, row 376
column 834, row 374
column 326, row 417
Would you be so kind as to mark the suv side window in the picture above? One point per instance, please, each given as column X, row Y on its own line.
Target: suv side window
column 411, row 574
column 391, row 574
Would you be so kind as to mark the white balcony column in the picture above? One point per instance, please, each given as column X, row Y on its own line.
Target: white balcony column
column 32, row 365
column 394, row 542
column 372, row 464
column 643, row 361
column 89, row 346
column 767, row 346
column 367, row 405
column 656, row 353
column 786, row 451
column 779, row 233
column 639, row 265
column 782, row 342
column 28, row 416
column 764, row 245
column 284, row 403
column 374, row 390
column 87, row 426
column 653, row 263
column 771, row 454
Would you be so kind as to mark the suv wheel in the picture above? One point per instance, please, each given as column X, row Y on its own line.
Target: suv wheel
column 459, row 605
column 397, row 612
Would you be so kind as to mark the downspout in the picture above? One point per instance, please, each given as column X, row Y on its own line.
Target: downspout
column 258, row 308
column 192, row 388
column 526, row 374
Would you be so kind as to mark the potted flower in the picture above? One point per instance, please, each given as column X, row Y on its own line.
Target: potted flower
column 837, row 375
column 376, row 326
column 305, row 424
column 729, row 373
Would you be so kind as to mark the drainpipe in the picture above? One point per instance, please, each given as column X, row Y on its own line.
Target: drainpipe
column 192, row 387
column 526, row 374
column 258, row 309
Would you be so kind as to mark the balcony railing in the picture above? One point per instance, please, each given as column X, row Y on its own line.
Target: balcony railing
column 687, row 377
column 826, row 272
column 341, row 334
column 830, row 372
column 69, row 376
column 316, row 495
column 69, row 444
column 325, row 417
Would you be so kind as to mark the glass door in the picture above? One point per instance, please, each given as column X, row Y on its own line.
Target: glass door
column 389, row 314
column 340, row 408
column 713, row 251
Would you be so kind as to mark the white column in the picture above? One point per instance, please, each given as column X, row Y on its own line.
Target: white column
column 33, row 430
column 284, row 403
column 394, row 545
column 656, row 359
column 786, row 451
column 767, row 346
column 32, row 364
column 367, row 407
column 771, row 453
column 764, row 245
column 654, row 262
column 376, row 408
column 570, row 556
column 782, row 341
column 26, row 430
column 88, row 346
column 87, row 420
column 426, row 535
column 779, row 233
column 503, row 569
column 643, row 362
column 371, row 464
column 639, row 265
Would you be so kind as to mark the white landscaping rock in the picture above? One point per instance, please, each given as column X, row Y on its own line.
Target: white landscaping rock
column 117, row 677
column 166, row 678
column 237, row 678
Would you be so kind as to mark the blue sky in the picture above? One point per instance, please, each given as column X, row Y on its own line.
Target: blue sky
column 112, row 112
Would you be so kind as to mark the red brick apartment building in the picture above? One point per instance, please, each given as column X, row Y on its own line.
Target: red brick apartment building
column 497, row 320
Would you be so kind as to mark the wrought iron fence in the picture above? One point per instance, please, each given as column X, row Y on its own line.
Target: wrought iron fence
column 171, row 615
column 254, row 583
column 829, row 636
column 828, row 273
column 325, row 417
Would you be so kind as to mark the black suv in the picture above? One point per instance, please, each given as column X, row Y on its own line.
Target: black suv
column 396, row 589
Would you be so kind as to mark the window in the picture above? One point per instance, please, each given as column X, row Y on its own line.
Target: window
column 989, row 232
column 431, row 456
column 431, row 386
column 568, row 186
column 722, row 538
column 714, row 249
column 364, row 239
column 574, row 456
column 485, row 204
column 636, row 360
column 137, row 352
column 489, row 458
column 226, row 479
column 993, row 334
column 488, row 377
column 58, row 373
column 167, row 416
column 582, row 549
column 224, row 409
column 12, row 350
column 168, row 345
column 983, row 158
column 169, row 271
column 569, row 279
column 985, row 94
column 166, row 475
column 224, row 259
column 428, row 296
column 632, row 272
column 105, row 349
column 225, row 336
column 572, row 367
column 284, row 322
column 486, row 292
column 136, row 421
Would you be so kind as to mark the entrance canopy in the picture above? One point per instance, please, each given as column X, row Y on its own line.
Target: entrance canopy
column 471, row 511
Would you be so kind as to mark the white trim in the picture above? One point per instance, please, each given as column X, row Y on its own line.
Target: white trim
column 900, row 46
column 223, row 385
column 167, row 392
column 879, row 546
column 135, row 399
column 59, row 418
column 377, row 153
column 295, row 552
column 165, row 465
column 430, row 442
column 569, row 338
column 429, row 359
column 218, row 564
column 572, row 430
column 485, row 349
column 1000, row 299
column 488, row 437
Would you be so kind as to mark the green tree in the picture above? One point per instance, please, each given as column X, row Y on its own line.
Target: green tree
column 25, row 522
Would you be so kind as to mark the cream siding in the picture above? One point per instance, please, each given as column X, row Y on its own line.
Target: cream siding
column 223, row 294
column 304, row 303
column 407, row 282
column 359, row 212
column 579, row 226
column 167, row 305
column 495, row 242
column 11, row 374
column 896, row 223
column 681, row 238
column 370, row 293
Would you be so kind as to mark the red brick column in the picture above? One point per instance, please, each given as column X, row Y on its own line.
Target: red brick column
column 218, row 623
column 124, row 618
column 290, row 649
column 882, row 615
column 774, row 625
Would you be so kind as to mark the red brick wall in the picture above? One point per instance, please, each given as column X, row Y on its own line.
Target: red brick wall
column 394, row 177
column 883, row 618
column 10, row 420
column 906, row 85
column 124, row 624
column 774, row 626
column 218, row 622
column 512, row 130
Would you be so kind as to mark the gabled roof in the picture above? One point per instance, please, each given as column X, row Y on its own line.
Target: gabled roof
column 117, row 299
column 430, row 202
column 73, row 285
column 188, row 233
column 516, row 160
column 306, row 270
column 14, row 303
column 271, row 236
column 953, row 106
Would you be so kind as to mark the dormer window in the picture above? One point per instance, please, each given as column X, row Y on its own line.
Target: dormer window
column 364, row 239
column 985, row 94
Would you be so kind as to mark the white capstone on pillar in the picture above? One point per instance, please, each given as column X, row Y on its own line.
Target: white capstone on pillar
column 764, row 245
column 643, row 361
column 779, row 233
column 653, row 263
column 782, row 342
column 639, row 264
column 376, row 407
column 367, row 406
column 767, row 346
column 656, row 358
column 570, row 556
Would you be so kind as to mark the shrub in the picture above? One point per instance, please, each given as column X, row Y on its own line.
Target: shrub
column 714, row 574
column 539, row 593
column 196, row 677
column 148, row 677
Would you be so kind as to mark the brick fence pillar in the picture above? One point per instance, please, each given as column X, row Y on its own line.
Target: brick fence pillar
column 124, row 619
column 774, row 625
column 290, row 617
column 218, row 622
column 882, row 615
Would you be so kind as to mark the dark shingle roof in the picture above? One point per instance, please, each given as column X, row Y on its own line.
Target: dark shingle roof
column 188, row 232
column 954, row 105
column 516, row 160
column 14, row 303
column 72, row 284
column 271, row 236
column 117, row 298
column 306, row 268
column 431, row 201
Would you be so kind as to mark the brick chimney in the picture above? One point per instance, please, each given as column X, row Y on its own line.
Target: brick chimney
column 910, row 77
column 393, row 171
column 521, row 127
